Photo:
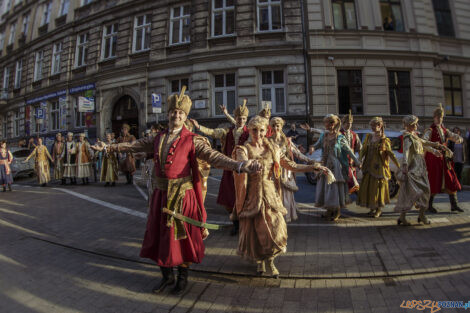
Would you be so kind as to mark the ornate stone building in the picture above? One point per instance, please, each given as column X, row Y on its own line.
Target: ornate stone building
column 308, row 57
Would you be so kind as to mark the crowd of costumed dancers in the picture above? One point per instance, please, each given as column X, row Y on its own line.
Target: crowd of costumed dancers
column 258, row 183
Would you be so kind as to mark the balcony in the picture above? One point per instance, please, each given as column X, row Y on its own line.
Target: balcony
column 42, row 30
column 61, row 20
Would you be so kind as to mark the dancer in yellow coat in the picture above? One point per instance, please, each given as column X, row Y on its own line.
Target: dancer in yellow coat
column 41, row 157
column 375, row 154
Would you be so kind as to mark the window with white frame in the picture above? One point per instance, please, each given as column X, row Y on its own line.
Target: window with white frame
column 8, row 6
column 54, row 121
column 141, row 40
column 79, row 116
column 81, row 53
column 109, row 43
column 225, row 92
column 11, row 40
column 18, row 72
column 6, row 79
column 16, row 123
column 56, row 52
column 269, row 15
column 177, row 85
column 38, row 64
column 273, row 88
column 64, row 7
column 5, row 126
column 85, row 2
column 46, row 16
column 223, row 17
column 180, row 20
column 25, row 23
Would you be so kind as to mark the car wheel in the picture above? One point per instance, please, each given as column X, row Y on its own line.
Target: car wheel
column 393, row 186
column 311, row 177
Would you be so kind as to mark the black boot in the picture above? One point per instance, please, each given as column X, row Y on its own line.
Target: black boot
column 168, row 278
column 182, row 281
column 431, row 209
column 63, row 181
column 74, row 181
column 107, row 184
column 9, row 187
column 235, row 227
column 128, row 179
column 83, row 181
column 454, row 203
column 87, row 181
column 4, row 188
column 113, row 184
column 131, row 179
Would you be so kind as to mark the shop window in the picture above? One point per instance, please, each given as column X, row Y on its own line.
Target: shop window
column 55, row 116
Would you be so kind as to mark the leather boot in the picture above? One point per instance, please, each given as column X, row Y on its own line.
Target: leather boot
column 431, row 209
column 422, row 218
column 182, row 281
column 454, row 203
column 235, row 227
column 9, row 187
column 62, row 181
column 168, row 278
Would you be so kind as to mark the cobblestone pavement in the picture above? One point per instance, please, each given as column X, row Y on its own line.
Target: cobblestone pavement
column 75, row 249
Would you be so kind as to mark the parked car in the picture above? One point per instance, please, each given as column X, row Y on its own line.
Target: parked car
column 19, row 168
column 394, row 137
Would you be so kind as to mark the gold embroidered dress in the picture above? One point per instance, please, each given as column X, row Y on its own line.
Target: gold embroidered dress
column 41, row 157
column 373, row 192
column 414, row 186
column 109, row 168
column 58, row 153
column 260, row 210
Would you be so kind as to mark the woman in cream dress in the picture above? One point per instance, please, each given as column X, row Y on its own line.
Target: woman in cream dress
column 413, row 176
column 258, row 205
column 289, row 150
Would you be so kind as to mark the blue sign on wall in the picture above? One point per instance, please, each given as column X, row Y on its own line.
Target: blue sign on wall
column 156, row 103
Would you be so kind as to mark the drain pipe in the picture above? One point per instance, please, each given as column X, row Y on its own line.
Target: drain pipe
column 306, row 66
column 305, row 55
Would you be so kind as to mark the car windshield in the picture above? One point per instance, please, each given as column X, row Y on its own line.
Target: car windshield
column 21, row 153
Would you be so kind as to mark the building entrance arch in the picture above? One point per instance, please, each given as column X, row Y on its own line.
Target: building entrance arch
column 125, row 111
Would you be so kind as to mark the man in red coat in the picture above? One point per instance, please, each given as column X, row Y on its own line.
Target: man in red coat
column 441, row 174
column 176, row 222
column 355, row 144
column 229, row 138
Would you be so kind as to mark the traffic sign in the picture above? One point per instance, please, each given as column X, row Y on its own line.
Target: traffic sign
column 156, row 103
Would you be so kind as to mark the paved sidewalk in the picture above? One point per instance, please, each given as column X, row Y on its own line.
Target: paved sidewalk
column 60, row 253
